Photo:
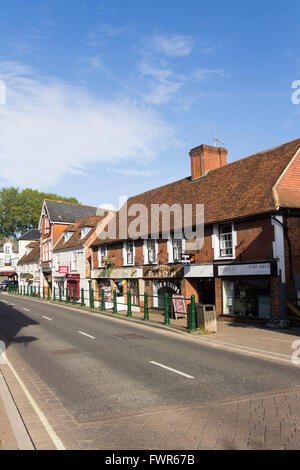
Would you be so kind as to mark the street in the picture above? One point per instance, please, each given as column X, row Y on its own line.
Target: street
column 126, row 386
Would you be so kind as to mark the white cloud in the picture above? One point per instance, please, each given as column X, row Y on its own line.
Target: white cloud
column 132, row 172
column 204, row 73
column 172, row 45
column 49, row 129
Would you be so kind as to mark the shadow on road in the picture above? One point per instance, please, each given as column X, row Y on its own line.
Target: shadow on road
column 12, row 322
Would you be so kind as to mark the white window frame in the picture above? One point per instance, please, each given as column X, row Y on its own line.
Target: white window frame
column 146, row 250
column 216, row 241
column 85, row 231
column 101, row 255
column 74, row 261
column 126, row 252
column 171, row 246
column 67, row 236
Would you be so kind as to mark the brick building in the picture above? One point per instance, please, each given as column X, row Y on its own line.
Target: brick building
column 56, row 216
column 72, row 255
column 249, row 263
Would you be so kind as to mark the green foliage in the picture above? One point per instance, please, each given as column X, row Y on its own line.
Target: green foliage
column 20, row 210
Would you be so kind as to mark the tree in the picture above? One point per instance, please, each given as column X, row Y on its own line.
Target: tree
column 20, row 210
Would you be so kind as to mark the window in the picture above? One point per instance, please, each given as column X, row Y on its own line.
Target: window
column 1, row 262
column 177, row 249
column 129, row 252
column 247, row 297
column 57, row 262
column 74, row 265
column 151, row 251
column 7, row 249
column 133, row 286
column 102, row 253
column 67, row 236
column 225, row 240
column 85, row 231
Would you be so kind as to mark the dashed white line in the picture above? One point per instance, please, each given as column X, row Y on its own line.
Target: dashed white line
column 85, row 334
column 47, row 318
column 26, row 309
column 172, row 370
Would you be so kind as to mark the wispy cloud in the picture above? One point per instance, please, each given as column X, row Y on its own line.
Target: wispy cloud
column 133, row 172
column 172, row 45
column 49, row 128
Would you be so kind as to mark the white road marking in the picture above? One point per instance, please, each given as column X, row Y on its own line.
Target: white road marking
column 172, row 370
column 85, row 334
column 56, row 441
column 27, row 310
column 47, row 318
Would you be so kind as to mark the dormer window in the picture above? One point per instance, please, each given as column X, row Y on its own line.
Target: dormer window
column 67, row 236
column 85, row 231
column 7, row 248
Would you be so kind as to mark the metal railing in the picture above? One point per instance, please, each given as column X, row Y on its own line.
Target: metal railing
column 128, row 303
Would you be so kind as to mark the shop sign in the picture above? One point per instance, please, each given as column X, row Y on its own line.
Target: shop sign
column 187, row 258
column 63, row 269
column 170, row 285
column 163, row 271
column 206, row 270
column 245, row 269
column 118, row 273
column 73, row 276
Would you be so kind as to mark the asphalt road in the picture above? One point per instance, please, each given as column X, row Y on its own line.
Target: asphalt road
column 103, row 368
column 98, row 366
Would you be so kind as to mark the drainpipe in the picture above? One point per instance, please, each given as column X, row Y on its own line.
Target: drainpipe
column 284, row 322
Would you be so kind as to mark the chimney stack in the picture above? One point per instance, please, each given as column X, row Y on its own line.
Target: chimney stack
column 205, row 158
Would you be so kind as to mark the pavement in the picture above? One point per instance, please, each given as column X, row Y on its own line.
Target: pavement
column 32, row 416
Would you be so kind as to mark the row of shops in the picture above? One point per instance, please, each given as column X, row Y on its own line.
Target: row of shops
column 242, row 290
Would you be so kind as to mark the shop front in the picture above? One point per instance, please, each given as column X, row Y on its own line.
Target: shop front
column 246, row 290
column 202, row 281
column 120, row 280
column 161, row 280
column 73, row 282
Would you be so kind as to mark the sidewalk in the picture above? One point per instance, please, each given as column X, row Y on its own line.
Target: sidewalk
column 7, row 437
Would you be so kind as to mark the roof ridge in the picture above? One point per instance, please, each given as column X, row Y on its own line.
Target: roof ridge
column 72, row 203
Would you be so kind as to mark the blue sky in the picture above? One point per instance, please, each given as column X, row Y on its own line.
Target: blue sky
column 106, row 98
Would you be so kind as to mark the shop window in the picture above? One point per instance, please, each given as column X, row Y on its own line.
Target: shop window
column 247, row 297
column 133, row 286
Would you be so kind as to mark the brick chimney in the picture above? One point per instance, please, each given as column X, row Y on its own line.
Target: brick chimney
column 205, row 158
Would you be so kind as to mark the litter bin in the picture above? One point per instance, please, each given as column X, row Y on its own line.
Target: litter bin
column 206, row 317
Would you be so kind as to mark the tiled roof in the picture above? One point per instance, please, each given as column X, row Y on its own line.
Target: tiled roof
column 239, row 189
column 76, row 240
column 33, row 256
column 33, row 234
column 67, row 212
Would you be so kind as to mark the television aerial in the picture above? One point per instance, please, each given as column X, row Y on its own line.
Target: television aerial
column 218, row 141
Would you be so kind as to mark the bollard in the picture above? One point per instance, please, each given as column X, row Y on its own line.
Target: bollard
column 59, row 295
column 193, row 326
column 146, row 312
column 67, row 295
column 102, row 300
column 48, row 293
column 82, row 297
column 92, row 299
column 74, row 296
column 54, row 296
column 167, row 316
column 44, row 292
column 129, row 312
column 115, row 307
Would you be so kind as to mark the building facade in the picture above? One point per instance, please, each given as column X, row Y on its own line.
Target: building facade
column 9, row 256
column 248, row 264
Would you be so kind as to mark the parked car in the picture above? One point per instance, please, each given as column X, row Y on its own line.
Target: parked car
column 8, row 282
